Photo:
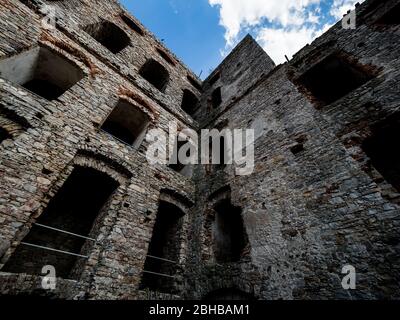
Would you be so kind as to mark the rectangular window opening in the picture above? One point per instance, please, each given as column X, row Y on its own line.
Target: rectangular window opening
column 392, row 17
column 35, row 71
column 228, row 232
column 381, row 148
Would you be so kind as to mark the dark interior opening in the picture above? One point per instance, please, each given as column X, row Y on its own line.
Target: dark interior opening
column 216, row 98
column 41, row 71
column 132, row 24
column 228, row 232
column 222, row 148
column 4, row 134
column 44, row 88
column 231, row 294
column 194, row 83
column 109, row 35
column 74, row 209
column 222, row 153
column 298, row 148
column 165, row 243
column 11, row 124
column 381, row 148
column 126, row 122
column 333, row 78
column 392, row 17
column 165, row 56
column 155, row 73
column 189, row 102
column 214, row 79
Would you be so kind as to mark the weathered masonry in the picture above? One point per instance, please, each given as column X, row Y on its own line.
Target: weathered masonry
column 77, row 193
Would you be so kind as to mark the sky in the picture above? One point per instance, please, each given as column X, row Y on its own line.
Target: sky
column 202, row 32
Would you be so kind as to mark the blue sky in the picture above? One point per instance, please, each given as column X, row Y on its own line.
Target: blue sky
column 202, row 32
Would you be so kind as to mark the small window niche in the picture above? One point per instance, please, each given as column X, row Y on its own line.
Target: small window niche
column 381, row 148
column 333, row 78
column 214, row 79
column 41, row 71
column 127, row 123
column 220, row 159
column 132, row 24
column 189, row 102
column 216, row 98
column 156, row 74
column 109, row 35
column 194, row 83
column 184, row 169
column 392, row 17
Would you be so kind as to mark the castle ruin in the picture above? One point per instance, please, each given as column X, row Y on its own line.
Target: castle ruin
column 77, row 193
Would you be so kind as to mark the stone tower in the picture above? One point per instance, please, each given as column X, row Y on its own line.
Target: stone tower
column 78, row 94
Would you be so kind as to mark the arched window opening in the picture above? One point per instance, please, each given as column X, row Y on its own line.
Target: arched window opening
column 333, row 78
column 126, row 122
column 109, row 35
column 72, row 211
column 164, row 249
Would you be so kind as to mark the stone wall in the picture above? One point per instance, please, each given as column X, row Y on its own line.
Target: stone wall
column 66, row 131
column 310, row 207
column 313, row 204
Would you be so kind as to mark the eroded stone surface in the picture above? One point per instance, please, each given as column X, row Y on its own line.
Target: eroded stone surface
column 313, row 204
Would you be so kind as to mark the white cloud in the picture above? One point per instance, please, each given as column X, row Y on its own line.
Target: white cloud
column 281, row 26
column 280, row 42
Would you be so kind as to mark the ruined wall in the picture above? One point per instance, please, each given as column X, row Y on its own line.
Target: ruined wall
column 314, row 203
column 239, row 71
column 56, row 135
column 311, row 206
